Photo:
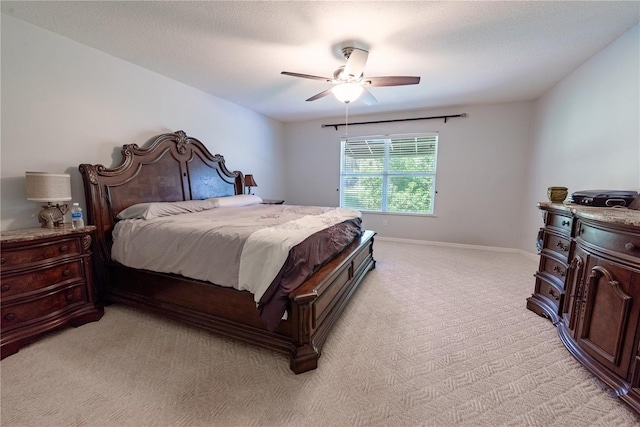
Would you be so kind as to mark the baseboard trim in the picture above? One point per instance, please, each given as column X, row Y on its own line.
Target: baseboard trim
column 526, row 254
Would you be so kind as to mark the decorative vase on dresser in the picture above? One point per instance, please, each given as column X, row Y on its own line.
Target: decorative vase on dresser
column 588, row 285
column 46, row 283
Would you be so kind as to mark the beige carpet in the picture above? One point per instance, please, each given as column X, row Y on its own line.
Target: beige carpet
column 435, row 336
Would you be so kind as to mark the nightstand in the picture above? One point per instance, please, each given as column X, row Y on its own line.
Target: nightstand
column 46, row 283
column 272, row 202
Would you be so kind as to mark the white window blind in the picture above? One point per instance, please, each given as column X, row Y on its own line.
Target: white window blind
column 390, row 174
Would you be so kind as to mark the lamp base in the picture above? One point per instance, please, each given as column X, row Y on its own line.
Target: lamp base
column 52, row 216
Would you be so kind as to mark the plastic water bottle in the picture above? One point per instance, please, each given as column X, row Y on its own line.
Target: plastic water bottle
column 76, row 216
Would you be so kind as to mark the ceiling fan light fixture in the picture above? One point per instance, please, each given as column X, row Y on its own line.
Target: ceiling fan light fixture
column 349, row 81
column 347, row 92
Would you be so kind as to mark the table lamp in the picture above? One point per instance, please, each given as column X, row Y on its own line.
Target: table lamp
column 249, row 182
column 49, row 188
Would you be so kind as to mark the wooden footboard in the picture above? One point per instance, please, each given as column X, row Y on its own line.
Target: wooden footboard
column 316, row 305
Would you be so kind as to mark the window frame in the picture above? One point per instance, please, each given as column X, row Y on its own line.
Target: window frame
column 386, row 174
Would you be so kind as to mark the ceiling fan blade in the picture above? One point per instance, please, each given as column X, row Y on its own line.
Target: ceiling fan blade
column 356, row 62
column 307, row 76
column 320, row 95
column 391, row 81
column 368, row 98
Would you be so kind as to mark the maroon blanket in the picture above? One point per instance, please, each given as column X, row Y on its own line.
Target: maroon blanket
column 305, row 259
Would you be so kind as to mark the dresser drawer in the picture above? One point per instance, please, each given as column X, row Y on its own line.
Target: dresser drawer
column 39, row 252
column 557, row 244
column 14, row 315
column 610, row 240
column 553, row 267
column 560, row 222
column 17, row 284
column 550, row 293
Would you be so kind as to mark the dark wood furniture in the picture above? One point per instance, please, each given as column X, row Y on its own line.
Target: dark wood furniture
column 588, row 285
column 554, row 240
column 174, row 167
column 47, row 283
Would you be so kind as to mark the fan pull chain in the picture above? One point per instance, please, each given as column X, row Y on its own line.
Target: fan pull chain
column 346, row 123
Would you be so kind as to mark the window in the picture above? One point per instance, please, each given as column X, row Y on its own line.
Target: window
column 389, row 174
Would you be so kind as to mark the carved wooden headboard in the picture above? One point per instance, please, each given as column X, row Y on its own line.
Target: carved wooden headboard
column 168, row 168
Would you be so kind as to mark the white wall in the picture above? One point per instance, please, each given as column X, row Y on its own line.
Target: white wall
column 480, row 176
column 64, row 103
column 586, row 132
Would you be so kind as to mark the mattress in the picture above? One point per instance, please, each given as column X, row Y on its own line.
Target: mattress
column 268, row 250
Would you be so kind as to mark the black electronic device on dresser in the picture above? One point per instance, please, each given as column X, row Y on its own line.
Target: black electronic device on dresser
column 602, row 198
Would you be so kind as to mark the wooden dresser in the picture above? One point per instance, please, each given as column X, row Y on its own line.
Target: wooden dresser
column 46, row 283
column 588, row 285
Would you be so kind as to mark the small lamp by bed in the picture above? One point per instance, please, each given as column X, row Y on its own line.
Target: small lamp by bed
column 249, row 182
column 49, row 187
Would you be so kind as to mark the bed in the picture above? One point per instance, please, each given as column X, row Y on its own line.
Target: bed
column 174, row 167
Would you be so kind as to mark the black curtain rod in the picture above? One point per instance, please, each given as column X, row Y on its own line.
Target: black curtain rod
column 335, row 125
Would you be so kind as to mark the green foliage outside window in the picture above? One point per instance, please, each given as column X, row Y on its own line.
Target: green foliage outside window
column 410, row 194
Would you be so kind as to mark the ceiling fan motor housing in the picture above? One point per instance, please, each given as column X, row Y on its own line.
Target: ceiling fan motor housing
column 346, row 52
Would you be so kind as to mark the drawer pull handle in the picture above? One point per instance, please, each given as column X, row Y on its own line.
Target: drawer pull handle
column 566, row 222
column 554, row 295
column 69, row 297
column 558, row 270
column 629, row 246
column 5, row 288
column 66, row 272
column 564, row 248
column 9, row 317
column 64, row 248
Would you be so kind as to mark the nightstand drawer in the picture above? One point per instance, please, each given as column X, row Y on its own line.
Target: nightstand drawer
column 39, row 252
column 33, row 281
column 14, row 315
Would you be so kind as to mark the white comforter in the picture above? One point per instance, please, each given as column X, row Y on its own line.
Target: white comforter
column 240, row 247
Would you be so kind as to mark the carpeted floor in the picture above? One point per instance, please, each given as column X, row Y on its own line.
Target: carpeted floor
column 435, row 336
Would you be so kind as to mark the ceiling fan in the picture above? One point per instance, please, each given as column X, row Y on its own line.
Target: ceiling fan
column 349, row 81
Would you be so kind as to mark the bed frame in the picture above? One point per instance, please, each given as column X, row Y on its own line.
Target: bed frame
column 173, row 167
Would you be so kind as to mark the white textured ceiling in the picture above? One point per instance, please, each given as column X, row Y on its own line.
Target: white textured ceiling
column 465, row 52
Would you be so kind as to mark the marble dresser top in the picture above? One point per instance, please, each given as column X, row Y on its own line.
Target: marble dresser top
column 27, row 234
column 615, row 215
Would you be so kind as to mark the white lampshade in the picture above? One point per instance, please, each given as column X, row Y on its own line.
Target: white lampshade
column 347, row 92
column 48, row 187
